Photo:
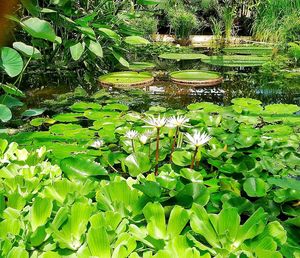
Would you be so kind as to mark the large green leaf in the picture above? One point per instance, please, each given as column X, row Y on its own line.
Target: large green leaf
column 38, row 28
column 255, row 187
column 120, row 58
column 81, row 168
column 40, row 212
column 76, row 51
column 95, row 48
column 5, row 113
column 137, row 163
column 11, row 61
column 98, row 242
column 179, row 217
column 27, row 50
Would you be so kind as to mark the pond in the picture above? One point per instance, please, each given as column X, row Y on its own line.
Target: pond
column 247, row 83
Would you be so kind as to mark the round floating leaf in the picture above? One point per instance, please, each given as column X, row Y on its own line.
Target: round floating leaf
column 67, row 117
column 137, row 163
column 195, row 75
column 11, row 61
column 33, row 112
column 5, row 113
column 27, row 50
column 82, row 106
column 38, row 28
column 249, row 50
column 236, row 60
column 255, row 187
column 182, row 56
column 126, row 79
column 182, row 158
column 81, row 168
column 120, row 107
column 136, row 40
column 281, row 109
column 39, row 121
column 138, row 66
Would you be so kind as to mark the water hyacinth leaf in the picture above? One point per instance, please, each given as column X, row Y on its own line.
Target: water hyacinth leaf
column 38, row 28
column 255, row 187
column 193, row 193
column 179, row 217
column 228, row 223
column 182, row 158
column 33, row 112
column 151, row 189
column 5, row 113
column 155, row 217
column 95, row 48
column 40, row 212
column 26, row 50
column 76, row 51
column 18, row 252
column 98, row 242
column 137, row 163
column 75, row 167
column 11, row 61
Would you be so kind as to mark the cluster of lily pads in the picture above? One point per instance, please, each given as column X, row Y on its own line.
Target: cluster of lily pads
column 139, row 191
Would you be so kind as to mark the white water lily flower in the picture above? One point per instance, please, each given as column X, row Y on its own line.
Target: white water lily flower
column 157, row 122
column 97, row 144
column 179, row 121
column 131, row 134
column 145, row 136
column 198, row 139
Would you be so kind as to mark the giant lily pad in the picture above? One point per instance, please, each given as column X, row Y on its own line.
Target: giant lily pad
column 236, row 60
column 249, row 50
column 182, row 56
column 127, row 79
column 196, row 78
column 138, row 66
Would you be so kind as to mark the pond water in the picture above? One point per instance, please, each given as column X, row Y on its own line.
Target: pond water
column 250, row 84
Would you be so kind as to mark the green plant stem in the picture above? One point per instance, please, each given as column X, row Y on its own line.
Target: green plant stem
column 194, row 158
column 157, row 151
column 132, row 144
column 174, row 142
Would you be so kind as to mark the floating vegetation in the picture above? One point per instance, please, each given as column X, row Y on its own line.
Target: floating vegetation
column 249, row 50
column 126, row 79
column 139, row 66
column 236, row 60
column 182, row 56
column 196, row 78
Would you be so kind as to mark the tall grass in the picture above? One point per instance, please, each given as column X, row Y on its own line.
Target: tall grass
column 276, row 19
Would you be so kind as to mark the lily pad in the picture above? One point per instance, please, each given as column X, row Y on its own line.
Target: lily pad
column 196, row 78
column 249, row 50
column 236, row 60
column 182, row 56
column 138, row 66
column 127, row 79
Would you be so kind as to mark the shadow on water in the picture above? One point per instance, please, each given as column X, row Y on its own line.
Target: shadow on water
column 164, row 93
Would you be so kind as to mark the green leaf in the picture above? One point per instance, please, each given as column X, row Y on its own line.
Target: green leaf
column 18, row 252
column 182, row 158
column 179, row 217
column 31, row 6
column 12, row 90
column 81, row 168
column 228, row 223
column 33, row 112
column 255, row 187
column 98, row 242
column 27, row 50
column 38, row 28
column 136, row 40
column 76, row 51
column 155, row 217
column 151, row 189
column 5, row 113
column 40, row 212
column 110, row 34
column 11, row 61
column 137, row 163
column 95, row 48
column 10, row 101
column 120, row 58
